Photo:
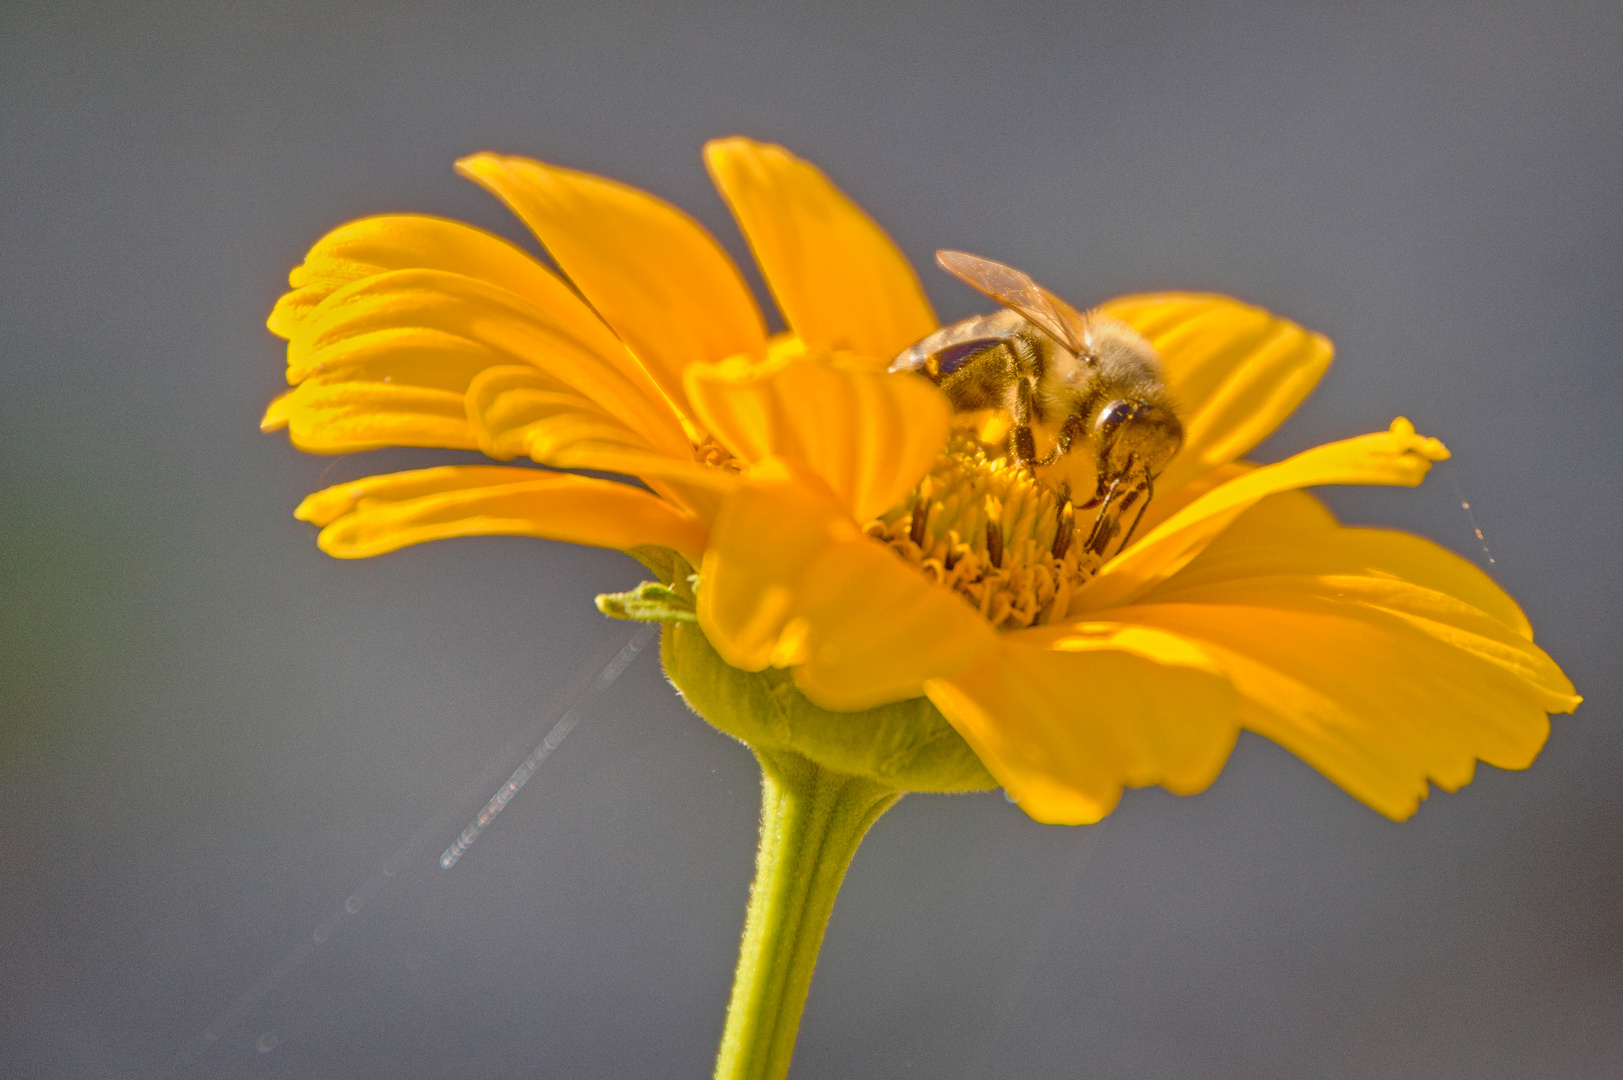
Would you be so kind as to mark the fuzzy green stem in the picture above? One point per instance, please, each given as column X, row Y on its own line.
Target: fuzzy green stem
column 812, row 820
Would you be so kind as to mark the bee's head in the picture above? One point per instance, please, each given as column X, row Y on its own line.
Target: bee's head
column 1134, row 436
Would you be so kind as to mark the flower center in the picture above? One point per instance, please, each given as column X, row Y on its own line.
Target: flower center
column 712, row 454
column 988, row 530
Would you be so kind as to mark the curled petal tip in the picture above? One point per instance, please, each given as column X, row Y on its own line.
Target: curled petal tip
column 468, row 166
column 723, row 143
column 322, row 507
column 276, row 415
column 1427, row 447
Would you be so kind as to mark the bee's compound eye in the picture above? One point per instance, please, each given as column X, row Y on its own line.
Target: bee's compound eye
column 1136, row 431
column 1113, row 416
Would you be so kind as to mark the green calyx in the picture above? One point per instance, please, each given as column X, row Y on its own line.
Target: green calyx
column 906, row 745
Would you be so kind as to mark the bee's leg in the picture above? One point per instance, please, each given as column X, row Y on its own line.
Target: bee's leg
column 1149, row 493
column 1021, row 440
column 1067, row 435
column 1105, row 526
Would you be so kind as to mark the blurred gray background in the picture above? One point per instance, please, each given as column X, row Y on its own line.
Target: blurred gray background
column 214, row 736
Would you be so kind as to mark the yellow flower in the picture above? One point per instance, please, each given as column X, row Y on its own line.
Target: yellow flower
column 844, row 528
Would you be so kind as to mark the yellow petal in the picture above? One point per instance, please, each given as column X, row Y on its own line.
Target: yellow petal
column 345, row 417
column 1235, row 371
column 762, row 543
column 1410, row 611
column 373, row 245
column 788, row 579
column 407, row 356
column 433, row 311
column 1288, row 551
column 1065, row 721
column 1294, row 533
column 867, row 435
column 516, row 409
column 841, row 283
column 1397, row 457
column 381, row 513
column 1378, row 657
column 662, row 282
column 386, row 388
column 1378, row 706
column 872, row 628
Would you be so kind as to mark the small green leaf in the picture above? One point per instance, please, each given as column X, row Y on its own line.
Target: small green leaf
column 648, row 602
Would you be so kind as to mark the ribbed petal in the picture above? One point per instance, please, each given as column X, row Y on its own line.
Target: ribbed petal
column 1064, row 720
column 867, row 435
column 402, row 355
column 373, row 245
column 1294, row 533
column 377, row 245
column 1235, row 371
column 841, row 283
column 789, row 580
column 1377, row 709
column 399, row 387
column 417, row 313
column 1379, row 658
column 345, row 417
column 381, row 513
column 1396, row 457
column 517, row 410
column 658, row 278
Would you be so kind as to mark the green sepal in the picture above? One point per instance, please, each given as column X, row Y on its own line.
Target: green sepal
column 648, row 602
column 907, row 745
column 662, row 562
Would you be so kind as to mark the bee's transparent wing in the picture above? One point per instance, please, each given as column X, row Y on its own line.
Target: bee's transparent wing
column 1016, row 291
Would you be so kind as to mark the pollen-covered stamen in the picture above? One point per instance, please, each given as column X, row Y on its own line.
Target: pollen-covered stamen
column 987, row 529
column 714, row 455
column 921, row 515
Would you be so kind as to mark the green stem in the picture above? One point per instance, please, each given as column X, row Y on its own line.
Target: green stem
column 812, row 820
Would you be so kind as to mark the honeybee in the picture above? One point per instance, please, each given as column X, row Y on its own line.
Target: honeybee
column 1063, row 380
